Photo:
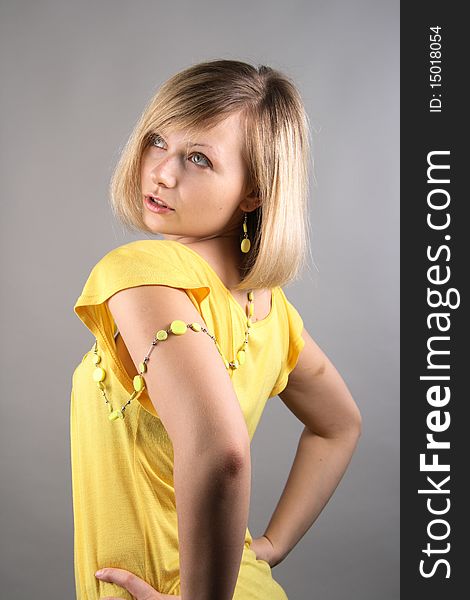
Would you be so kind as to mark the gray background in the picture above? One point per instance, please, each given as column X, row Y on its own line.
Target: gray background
column 74, row 78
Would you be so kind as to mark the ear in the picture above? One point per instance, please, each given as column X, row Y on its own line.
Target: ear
column 251, row 201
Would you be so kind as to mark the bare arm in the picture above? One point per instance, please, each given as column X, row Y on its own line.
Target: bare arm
column 194, row 397
column 317, row 396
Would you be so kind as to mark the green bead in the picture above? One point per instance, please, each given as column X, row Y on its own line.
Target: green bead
column 139, row 383
column 161, row 335
column 143, row 367
column 196, row 326
column 241, row 356
column 178, row 327
column 246, row 245
column 99, row 374
column 116, row 414
column 96, row 359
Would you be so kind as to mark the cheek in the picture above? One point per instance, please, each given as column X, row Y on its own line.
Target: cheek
column 229, row 187
column 147, row 162
column 144, row 165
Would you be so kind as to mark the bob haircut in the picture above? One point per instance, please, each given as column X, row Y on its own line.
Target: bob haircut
column 276, row 151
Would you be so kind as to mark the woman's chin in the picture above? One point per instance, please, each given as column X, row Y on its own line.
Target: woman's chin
column 151, row 225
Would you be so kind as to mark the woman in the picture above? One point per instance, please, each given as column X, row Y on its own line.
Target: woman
column 193, row 334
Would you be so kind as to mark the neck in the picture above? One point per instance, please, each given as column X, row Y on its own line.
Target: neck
column 223, row 253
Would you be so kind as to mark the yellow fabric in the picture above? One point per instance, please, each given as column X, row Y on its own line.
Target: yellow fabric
column 123, row 495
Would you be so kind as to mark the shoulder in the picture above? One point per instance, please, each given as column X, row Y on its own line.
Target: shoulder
column 294, row 330
column 294, row 319
column 142, row 262
column 143, row 252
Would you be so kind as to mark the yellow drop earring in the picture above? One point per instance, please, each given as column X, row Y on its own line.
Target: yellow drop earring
column 245, row 246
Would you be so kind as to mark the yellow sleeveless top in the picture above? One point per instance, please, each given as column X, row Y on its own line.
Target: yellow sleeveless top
column 122, row 471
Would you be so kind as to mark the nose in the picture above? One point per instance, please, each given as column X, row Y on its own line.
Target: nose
column 164, row 171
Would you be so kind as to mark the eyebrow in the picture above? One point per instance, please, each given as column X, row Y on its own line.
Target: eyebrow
column 198, row 144
column 214, row 150
column 194, row 144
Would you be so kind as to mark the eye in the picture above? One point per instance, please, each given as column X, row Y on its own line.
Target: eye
column 155, row 138
column 208, row 164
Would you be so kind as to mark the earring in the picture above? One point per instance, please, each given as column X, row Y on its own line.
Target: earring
column 245, row 247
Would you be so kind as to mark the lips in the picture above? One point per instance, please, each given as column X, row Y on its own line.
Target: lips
column 159, row 201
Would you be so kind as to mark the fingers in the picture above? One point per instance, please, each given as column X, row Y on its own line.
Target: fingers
column 133, row 584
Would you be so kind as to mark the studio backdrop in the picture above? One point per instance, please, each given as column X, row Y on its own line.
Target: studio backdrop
column 74, row 78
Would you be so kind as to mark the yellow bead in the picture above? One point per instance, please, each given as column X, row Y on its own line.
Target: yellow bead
column 96, row 359
column 241, row 356
column 245, row 229
column 248, row 322
column 139, row 383
column 245, row 245
column 178, row 327
column 196, row 326
column 236, row 364
column 116, row 414
column 250, row 295
column 161, row 335
column 99, row 374
column 143, row 367
column 251, row 309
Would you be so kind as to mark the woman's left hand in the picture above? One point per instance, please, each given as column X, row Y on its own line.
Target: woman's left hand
column 139, row 588
column 264, row 550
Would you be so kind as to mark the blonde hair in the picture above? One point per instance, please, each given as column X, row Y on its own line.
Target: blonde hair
column 276, row 151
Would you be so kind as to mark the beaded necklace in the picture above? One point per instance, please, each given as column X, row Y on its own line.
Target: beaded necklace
column 176, row 327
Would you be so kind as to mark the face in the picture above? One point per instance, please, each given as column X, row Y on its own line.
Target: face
column 203, row 180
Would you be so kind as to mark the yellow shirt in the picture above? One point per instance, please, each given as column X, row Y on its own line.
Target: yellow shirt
column 122, row 471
